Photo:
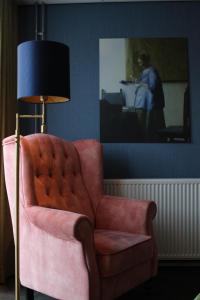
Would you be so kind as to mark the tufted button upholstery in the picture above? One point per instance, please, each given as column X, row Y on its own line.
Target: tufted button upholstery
column 58, row 181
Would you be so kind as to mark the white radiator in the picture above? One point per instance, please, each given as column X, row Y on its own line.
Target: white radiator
column 177, row 224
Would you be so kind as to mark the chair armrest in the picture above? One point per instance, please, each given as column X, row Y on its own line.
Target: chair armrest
column 134, row 216
column 61, row 245
column 61, row 224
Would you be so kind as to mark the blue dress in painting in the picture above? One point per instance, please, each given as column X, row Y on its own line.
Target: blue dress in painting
column 151, row 78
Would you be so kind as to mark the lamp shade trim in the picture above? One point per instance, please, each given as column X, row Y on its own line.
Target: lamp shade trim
column 48, row 99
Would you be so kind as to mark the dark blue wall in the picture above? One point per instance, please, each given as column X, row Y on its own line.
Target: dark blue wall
column 80, row 26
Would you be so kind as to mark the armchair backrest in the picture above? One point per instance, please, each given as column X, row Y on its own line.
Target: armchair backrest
column 52, row 173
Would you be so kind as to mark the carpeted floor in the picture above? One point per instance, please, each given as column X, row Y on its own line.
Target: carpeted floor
column 172, row 283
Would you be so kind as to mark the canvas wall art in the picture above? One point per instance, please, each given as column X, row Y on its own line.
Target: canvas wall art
column 144, row 90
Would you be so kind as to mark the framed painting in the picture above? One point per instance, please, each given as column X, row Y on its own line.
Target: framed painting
column 144, row 90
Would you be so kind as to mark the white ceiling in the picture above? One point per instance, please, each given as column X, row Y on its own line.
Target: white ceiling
column 88, row 1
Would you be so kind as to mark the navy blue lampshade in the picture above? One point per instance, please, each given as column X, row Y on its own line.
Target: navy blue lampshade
column 43, row 70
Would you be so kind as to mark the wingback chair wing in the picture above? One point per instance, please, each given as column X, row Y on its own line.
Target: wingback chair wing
column 75, row 242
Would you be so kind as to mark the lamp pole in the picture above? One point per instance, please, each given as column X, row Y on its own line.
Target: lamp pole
column 17, row 281
column 17, row 195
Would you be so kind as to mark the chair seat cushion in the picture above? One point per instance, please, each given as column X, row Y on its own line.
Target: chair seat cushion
column 118, row 251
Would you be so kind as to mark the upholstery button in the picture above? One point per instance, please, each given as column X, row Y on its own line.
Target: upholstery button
column 47, row 192
column 53, row 155
column 63, row 173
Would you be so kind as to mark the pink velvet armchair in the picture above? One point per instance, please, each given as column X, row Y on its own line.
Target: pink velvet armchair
column 75, row 242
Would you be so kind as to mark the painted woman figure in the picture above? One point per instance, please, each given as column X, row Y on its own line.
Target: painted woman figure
column 150, row 77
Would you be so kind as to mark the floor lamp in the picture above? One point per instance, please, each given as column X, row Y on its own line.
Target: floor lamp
column 42, row 77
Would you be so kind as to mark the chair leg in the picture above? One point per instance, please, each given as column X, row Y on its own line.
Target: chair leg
column 29, row 294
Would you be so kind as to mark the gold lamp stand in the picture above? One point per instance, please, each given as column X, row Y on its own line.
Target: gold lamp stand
column 17, row 189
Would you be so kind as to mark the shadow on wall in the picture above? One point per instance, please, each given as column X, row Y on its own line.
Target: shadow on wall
column 117, row 166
